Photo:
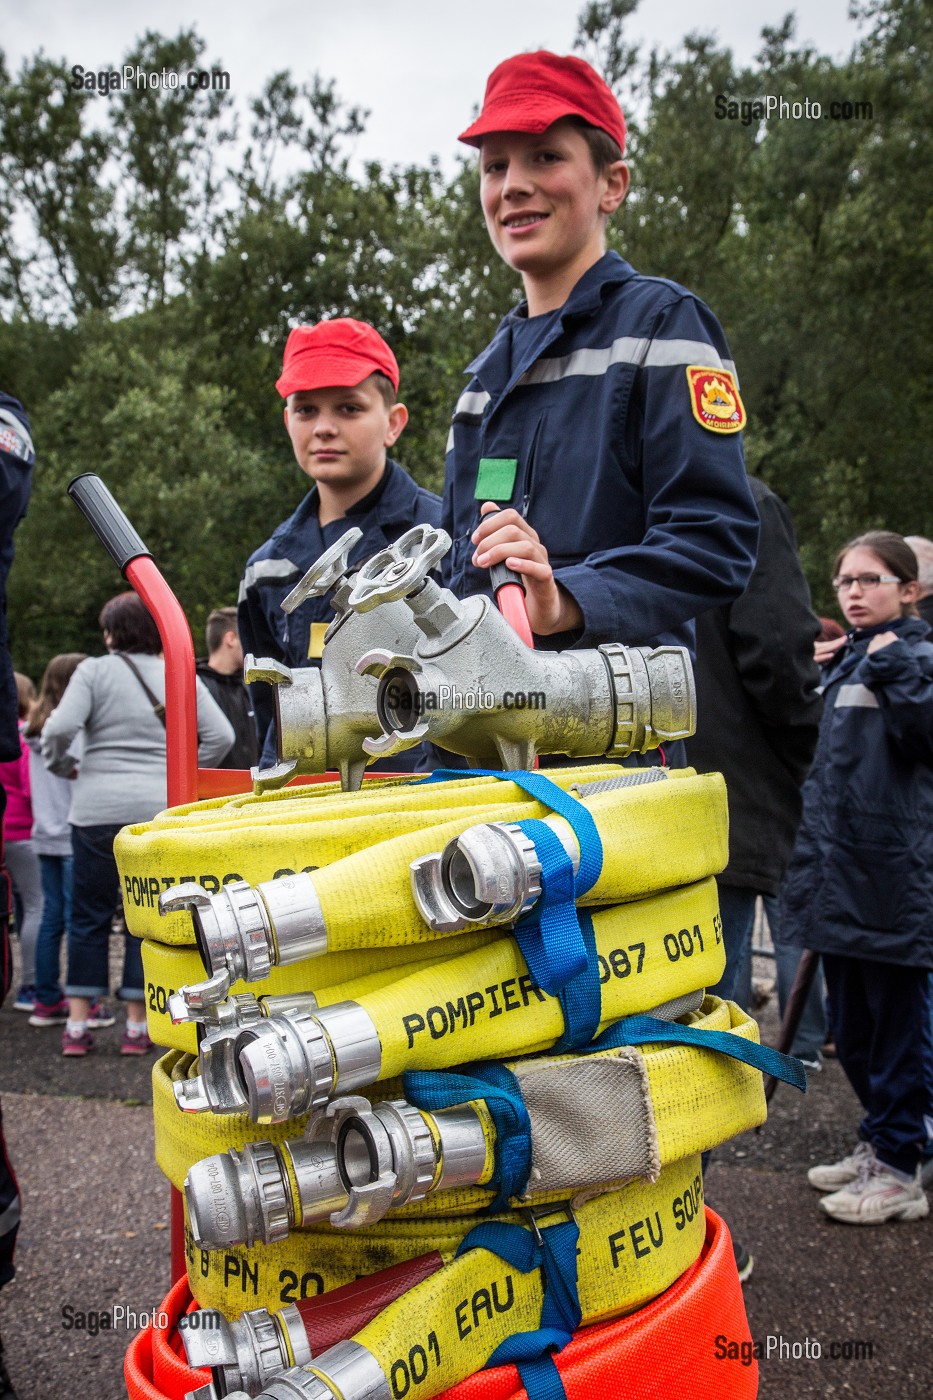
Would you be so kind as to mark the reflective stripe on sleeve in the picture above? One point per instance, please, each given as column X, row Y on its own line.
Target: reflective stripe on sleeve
column 630, row 350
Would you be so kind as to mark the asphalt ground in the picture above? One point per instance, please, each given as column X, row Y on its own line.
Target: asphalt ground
column 95, row 1209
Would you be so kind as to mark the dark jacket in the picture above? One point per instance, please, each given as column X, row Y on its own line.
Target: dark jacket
column 234, row 699
column 758, row 707
column 646, row 514
column 860, row 882
column 394, row 506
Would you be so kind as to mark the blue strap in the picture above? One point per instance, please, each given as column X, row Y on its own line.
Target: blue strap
column 549, row 936
column 554, row 1251
column 641, row 1030
column 544, row 790
column 499, row 1089
column 582, row 999
column 541, row 1379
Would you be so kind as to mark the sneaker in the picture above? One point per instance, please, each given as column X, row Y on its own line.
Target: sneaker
column 837, row 1174
column 136, row 1044
column 99, row 1015
column 43, row 1015
column 877, row 1195
column 76, row 1044
column 744, row 1261
column 25, row 999
column 813, row 1064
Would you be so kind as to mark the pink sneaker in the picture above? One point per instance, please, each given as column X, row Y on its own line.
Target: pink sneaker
column 76, row 1044
column 43, row 1015
column 136, row 1044
column 99, row 1015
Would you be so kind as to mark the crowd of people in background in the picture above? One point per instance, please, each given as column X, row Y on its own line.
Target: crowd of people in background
column 93, row 760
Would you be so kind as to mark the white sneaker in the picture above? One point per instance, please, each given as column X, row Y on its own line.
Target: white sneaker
column 877, row 1195
column 836, row 1174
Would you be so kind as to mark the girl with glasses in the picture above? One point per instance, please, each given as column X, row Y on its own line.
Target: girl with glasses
column 860, row 885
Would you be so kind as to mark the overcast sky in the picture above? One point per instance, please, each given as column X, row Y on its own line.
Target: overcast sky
column 418, row 66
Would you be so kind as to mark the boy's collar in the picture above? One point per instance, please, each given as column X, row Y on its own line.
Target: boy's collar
column 585, row 298
column 587, row 294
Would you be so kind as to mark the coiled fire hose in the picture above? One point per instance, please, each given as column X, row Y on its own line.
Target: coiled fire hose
column 656, row 948
column 510, row 1282
column 482, row 1004
column 666, row 1348
column 359, row 1160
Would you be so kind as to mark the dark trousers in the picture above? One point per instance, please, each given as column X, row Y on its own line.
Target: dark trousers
column 95, row 893
column 737, row 911
column 878, row 1014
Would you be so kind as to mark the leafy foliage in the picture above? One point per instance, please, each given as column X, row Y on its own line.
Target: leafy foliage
column 151, row 264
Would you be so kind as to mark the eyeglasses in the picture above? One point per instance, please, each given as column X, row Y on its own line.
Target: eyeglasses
column 866, row 582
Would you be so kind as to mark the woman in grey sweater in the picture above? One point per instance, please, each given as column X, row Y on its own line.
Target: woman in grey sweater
column 121, row 780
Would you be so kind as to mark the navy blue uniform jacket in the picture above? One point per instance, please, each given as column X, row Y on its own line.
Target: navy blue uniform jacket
column 392, row 507
column 646, row 515
column 860, row 883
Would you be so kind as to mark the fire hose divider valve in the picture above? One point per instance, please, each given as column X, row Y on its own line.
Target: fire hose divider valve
column 406, row 660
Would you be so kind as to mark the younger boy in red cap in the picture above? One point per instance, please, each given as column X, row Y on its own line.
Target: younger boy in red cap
column 339, row 381
column 605, row 414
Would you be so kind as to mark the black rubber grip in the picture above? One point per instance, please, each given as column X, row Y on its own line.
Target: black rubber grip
column 501, row 573
column 106, row 519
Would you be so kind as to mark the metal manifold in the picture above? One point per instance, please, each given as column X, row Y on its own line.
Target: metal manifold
column 405, row 661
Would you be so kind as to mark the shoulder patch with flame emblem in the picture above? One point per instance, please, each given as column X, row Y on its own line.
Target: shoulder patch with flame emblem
column 714, row 398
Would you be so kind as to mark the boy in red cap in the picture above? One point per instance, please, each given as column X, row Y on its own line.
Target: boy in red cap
column 339, row 381
column 605, row 414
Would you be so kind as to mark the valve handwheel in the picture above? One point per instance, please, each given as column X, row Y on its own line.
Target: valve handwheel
column 397, row 571
column 326, row 571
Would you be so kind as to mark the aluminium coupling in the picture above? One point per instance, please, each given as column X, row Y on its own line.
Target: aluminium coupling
column 243, row 931
column 247, row 1352
column 491, row 874
column 348, row 1371
column 356, row 1161
column 285, row 1065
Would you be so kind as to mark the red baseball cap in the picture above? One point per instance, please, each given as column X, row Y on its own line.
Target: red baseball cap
column 532, row 90
column 334, row 354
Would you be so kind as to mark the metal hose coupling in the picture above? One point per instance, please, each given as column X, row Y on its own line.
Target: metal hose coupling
column 490, row 874
column 356, row 1161
column 243, row 931
column 248, row 1352
column 282, row 1066
column 347, row 1371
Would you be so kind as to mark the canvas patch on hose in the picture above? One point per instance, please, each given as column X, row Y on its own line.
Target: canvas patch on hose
column 570, row 1105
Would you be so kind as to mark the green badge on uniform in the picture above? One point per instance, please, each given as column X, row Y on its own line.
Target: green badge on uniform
column 495, row 480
